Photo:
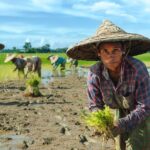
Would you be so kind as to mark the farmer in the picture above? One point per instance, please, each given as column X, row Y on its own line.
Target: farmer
column 30, row 64
column 33, row 64
column 119, row 81
column 57, row 61
column 73, row 63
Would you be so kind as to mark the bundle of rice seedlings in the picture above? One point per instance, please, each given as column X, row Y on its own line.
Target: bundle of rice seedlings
column 32, row 86
column 101, row 121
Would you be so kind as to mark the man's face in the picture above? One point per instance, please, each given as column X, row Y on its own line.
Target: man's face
column 111, row 55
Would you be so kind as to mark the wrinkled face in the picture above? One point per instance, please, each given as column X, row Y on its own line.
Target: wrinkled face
column 111, row 54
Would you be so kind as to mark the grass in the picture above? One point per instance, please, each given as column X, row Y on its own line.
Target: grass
column 32, row 86
column 7, row 73
column 43, row 56
column 101, row 120
column 6, row 68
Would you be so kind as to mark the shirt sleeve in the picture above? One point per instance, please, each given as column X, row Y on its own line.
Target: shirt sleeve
column 19, row 64
column 55, row 65
column 93, row 92
column 142, row 109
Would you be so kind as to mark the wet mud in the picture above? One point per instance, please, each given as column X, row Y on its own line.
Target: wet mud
column 50, row 122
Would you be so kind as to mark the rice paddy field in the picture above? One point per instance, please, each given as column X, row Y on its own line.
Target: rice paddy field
column 51, row 121
column 6, row 68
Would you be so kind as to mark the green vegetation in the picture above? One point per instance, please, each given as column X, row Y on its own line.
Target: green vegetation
column 32, row 86
column 43, row 56
column 144, row 57
column 7, row 68
column 6, row 73
column 101, row 121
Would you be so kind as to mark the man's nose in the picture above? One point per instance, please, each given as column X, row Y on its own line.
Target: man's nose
column 110, row 54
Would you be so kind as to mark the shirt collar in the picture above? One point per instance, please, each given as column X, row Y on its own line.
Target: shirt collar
column 106, row 74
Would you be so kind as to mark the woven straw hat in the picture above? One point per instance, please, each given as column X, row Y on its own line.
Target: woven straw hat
column 1, row 46
column 109, row 32
column 9, row 57
column 53, row 59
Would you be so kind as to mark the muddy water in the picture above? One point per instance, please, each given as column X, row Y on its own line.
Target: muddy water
column 14, row 142
column 148, row 70
column 49, row 76
column 62, row 100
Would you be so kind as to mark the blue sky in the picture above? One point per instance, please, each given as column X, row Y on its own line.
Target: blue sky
column 62, row 23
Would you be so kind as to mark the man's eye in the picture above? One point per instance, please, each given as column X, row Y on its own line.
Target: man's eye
column 116, row 50
column 105, row 50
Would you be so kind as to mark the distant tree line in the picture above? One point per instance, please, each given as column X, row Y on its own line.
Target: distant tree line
column 27, row 48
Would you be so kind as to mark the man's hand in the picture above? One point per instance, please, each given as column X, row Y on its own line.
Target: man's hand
column 14, row 69
column 116, row 130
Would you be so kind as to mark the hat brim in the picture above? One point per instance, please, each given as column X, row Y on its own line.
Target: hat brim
column 9, row 58
column 1, row 46
column 87, row 49
column 53, row 59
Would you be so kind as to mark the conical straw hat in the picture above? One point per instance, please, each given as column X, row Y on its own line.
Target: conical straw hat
column 109, row 32
column 9, row 57
column 1, row 46
column 53, row 59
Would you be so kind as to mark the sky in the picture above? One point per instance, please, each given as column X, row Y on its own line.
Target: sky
column 62, row 23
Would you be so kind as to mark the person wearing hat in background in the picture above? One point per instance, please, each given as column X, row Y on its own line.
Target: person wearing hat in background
column 57, row 61
column 33, row 64
column 1, row 46
column 73, row 63
column 30, row 64
column 119, row 81
column 19, row 63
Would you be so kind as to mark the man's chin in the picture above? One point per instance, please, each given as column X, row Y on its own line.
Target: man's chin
column 112, row 66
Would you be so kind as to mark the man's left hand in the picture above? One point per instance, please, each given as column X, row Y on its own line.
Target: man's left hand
column 116, row 130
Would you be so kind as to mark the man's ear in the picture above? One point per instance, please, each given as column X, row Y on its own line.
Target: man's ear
column 124, row 47
column 123, row 52
column 98, row 53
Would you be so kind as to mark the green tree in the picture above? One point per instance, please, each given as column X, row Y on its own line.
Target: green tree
column 14, row 48
column 27, row 46
column 45, row 48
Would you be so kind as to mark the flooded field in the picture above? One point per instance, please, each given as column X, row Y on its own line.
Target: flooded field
column 48, row 75
column 50, row 121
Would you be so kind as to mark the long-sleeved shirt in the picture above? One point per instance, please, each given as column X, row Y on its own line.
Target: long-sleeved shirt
column 59, row 61
column 134, row 85
column 33, row 64
column 20, row 64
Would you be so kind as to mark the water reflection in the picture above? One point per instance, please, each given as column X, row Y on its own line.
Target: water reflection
column 49, row 75
column 13, row 142
column 148, row 70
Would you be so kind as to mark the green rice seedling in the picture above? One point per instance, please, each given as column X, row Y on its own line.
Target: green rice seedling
column 32, row 86
column 101, row 121
column 7, row 73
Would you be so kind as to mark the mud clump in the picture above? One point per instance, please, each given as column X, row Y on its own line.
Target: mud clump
column 52, row 121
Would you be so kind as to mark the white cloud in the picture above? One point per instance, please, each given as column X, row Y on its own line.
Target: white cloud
column 108, row 8
column 23, row 29
column 46, row 2
column 122, row 14
column 142, row 6
column 4, row 6
column 27, row 40
column 137, row 2
column 47, row 5
column 80, row 8
column 14, row 28
column 98, row 6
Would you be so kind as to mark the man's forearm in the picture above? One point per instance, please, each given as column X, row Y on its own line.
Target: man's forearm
column 134, row 118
